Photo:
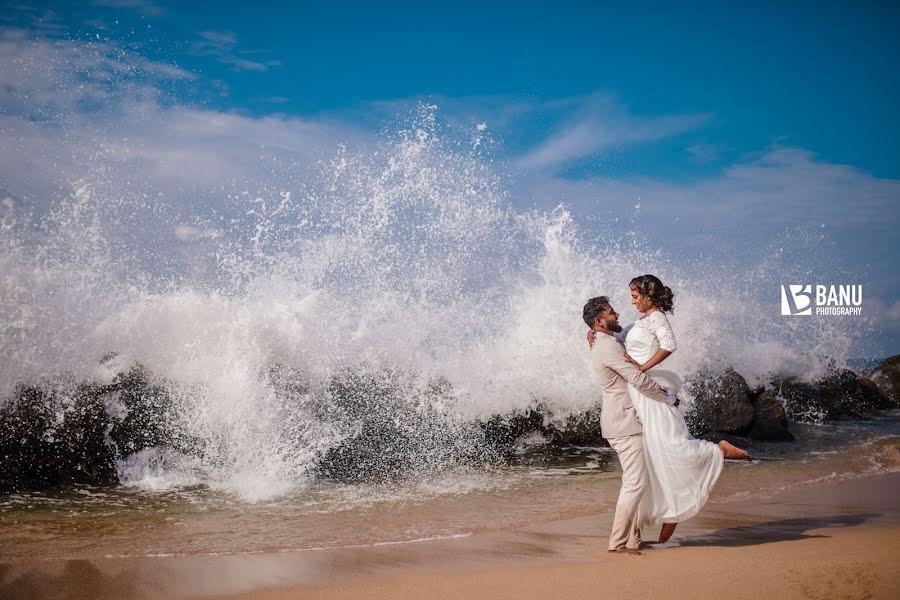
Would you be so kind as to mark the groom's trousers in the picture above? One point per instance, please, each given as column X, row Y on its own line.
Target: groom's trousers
column 625, row 529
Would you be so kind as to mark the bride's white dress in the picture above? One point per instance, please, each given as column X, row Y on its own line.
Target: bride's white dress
column 682, row 470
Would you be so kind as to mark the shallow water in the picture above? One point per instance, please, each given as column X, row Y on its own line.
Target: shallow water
column 538, row 486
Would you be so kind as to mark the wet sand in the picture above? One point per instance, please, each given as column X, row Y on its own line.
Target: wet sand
column 833, row 539
column 850, row 564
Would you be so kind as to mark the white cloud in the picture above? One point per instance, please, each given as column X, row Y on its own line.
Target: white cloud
column 601, row 123
column 177, row 149
column 71, row 109
column 781, row 187
column 55, row 79
column 594, row 134
column 580, row 126
column 222, row 45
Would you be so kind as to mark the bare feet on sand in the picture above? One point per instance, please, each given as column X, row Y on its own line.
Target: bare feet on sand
column 733, row 452
column 628, row 551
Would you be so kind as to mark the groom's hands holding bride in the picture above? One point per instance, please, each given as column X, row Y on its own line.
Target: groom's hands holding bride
column 632, row 361
column 591, row 338
column 639, row 367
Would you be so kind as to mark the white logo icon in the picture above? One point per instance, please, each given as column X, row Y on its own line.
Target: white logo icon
column 796, row 299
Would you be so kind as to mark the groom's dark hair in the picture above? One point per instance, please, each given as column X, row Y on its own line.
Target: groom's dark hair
column 593, row 308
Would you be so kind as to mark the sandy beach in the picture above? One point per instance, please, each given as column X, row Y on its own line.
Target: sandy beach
column 829, row 541
column 832, row 539
column 821, row 563
column 364, row 300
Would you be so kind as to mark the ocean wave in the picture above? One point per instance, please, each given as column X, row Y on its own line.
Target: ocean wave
column 365, row 321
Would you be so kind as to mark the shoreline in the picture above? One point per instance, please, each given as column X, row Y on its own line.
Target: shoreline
column 787, row 538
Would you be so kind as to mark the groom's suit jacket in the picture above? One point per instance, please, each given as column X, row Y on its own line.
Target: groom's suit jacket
column 617, row 416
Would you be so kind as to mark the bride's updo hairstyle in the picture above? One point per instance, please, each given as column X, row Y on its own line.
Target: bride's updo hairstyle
column 651, row 287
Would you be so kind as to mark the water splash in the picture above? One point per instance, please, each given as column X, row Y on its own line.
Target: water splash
column 406, row 264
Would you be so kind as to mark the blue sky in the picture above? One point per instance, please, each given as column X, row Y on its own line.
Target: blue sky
column 747, row 120
column 822, row 76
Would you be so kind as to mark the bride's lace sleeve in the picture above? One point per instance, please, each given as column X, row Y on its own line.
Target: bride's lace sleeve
column 659, row 326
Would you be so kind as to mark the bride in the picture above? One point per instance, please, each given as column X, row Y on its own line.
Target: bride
column 681, row 470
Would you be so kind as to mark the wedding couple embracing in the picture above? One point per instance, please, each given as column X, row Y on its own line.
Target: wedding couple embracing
column 667, row 475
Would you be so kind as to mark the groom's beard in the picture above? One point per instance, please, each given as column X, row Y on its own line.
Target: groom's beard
column 614, row 326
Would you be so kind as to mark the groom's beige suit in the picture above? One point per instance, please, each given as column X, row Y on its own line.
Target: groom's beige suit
column 620, row 425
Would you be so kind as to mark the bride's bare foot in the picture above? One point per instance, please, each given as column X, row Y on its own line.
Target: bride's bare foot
column 733, row 452
column 666, row 532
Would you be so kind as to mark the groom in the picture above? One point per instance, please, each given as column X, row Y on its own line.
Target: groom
column 619, row 422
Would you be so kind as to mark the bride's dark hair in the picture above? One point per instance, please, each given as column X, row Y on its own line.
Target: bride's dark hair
column 651, row 287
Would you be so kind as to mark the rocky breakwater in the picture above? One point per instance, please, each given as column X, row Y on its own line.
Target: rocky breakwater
column 720, row 404
column 886, row 378
column 67, row 433
column 724, row 404
column 375, row 427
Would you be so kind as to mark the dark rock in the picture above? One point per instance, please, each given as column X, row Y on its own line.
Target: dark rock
column 53, row 437
column 877, row 397
column 886, row 377
column 65, row 433
column 288, row 380
column 576, row 430
column 375, row 445
column 392, row 429
column 721, row 402
column 840, row 394
column 802, row 401
column 141, row 412
column 770, row 422
column 844, row 396
column 502, row 432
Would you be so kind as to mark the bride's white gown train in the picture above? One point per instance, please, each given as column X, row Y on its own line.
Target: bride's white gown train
column 682, row 470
